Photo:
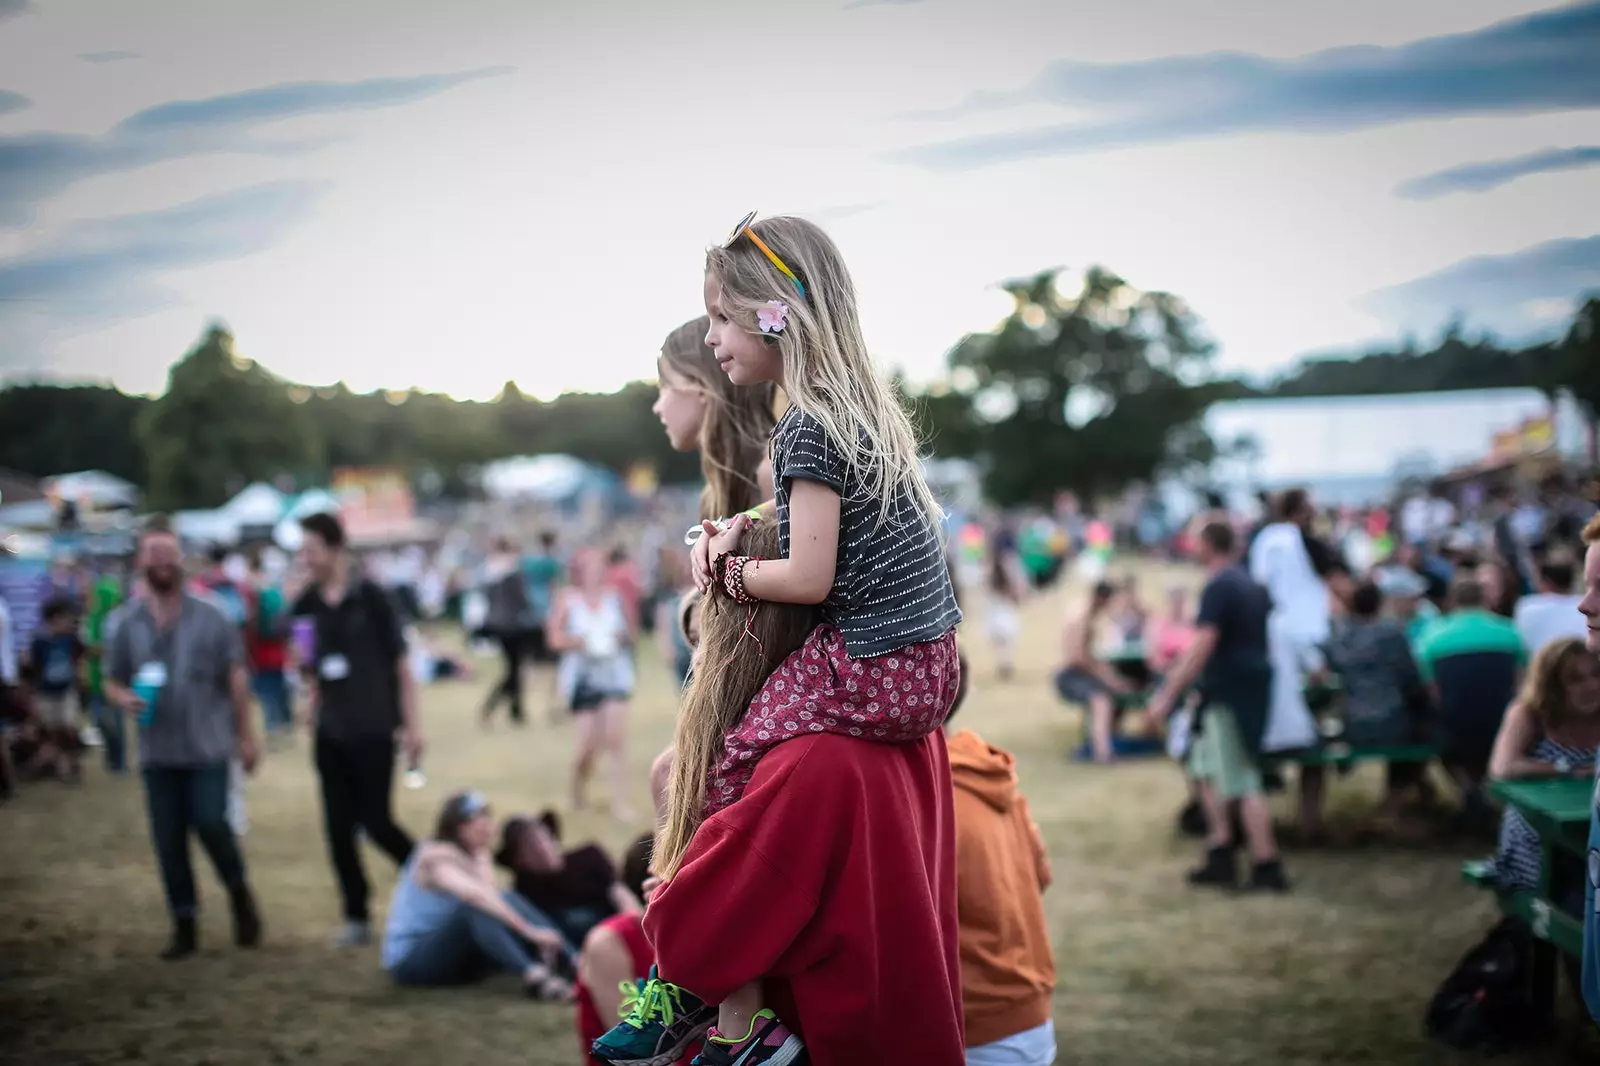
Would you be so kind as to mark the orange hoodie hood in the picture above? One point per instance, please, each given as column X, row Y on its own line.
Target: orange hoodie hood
column 986, row 772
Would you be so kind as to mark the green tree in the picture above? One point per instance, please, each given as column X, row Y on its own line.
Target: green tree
column 223, row 421
column 1088, row 391
column 1578, row 365
column 54, row 429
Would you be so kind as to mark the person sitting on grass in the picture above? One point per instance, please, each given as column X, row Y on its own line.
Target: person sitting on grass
column 449, row 923
column 577, row 889
column 1088, row 680
column 1551, row 730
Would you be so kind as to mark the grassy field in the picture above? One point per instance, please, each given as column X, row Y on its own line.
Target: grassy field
column 1151, row 972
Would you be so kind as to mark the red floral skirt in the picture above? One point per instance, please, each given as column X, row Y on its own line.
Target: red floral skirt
column 892, row 699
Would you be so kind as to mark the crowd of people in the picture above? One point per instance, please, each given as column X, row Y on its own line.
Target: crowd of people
column 836, row 875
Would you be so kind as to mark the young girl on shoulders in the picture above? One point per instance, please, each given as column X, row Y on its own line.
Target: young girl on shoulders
column 859, row 536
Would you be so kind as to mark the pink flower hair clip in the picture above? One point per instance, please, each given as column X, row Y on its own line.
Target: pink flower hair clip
column 773, row 317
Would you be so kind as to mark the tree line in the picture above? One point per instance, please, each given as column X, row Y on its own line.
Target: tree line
column 1087, row 389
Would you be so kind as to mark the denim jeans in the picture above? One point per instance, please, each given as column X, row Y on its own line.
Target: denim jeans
column 470, row 945
column 272, row 692
column 113, row 731
column 185, row 799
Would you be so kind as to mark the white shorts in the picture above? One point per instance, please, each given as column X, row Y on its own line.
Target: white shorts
column 1003, row 622
column 1031, row 1047
column 57, row 710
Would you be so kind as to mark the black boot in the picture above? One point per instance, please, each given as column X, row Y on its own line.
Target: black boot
column 185, row 940
column 1218, row 870
column 246, row 919
column 1268, row 877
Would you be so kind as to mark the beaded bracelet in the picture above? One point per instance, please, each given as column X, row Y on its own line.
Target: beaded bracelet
column 727, row 574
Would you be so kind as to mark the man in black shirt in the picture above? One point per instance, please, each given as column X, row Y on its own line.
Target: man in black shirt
column 1229, row 661
column 361, row 696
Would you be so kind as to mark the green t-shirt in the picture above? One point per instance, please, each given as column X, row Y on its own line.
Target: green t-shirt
column 1470, row 632
column 105, row 597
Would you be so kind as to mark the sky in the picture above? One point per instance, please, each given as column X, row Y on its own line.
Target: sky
column 400, row 194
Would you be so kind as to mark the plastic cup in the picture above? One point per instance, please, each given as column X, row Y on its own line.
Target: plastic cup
column 303, row 632
column 149, row 693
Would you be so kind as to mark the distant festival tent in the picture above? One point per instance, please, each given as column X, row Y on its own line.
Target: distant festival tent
column 96, row 488
column 547, row 478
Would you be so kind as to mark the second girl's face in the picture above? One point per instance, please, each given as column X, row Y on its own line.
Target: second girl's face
column 745, row 357
column 1580, row 676
column 681, row 406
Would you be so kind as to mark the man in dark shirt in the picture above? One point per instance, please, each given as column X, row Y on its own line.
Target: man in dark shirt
column 361, row 696
column 1229, row 661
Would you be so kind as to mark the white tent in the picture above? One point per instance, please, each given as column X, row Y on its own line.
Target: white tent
column 258, row 505
column 286, row 534
column 100, row 489
column 541, row 477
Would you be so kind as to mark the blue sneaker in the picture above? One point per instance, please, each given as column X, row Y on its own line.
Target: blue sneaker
column 660, row 1022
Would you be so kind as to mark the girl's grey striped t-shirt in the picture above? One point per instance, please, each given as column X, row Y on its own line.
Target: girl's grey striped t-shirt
column 891, row 585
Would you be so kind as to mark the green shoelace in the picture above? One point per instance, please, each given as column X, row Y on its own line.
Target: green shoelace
column 657, row 999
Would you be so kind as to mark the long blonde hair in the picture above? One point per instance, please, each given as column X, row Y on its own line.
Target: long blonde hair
column 735, row 428
column 1544, row 692
column 827, row 372
column 731, row 667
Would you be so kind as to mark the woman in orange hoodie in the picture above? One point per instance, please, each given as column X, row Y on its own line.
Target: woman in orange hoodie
column 1008, row 970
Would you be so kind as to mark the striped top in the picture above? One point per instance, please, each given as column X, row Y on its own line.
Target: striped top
column 891, row 585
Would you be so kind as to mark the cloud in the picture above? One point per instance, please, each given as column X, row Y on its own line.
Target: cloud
column 1481, row 177
column 1540, row 62
column 113, row 56
column 34, row 166
column 13, row 7
column 853, row 5
column 839, row 212
column 10, row 101
column 1519, row 295
column 101, row 270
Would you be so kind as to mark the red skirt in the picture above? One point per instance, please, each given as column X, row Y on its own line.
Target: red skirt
column 892, row 699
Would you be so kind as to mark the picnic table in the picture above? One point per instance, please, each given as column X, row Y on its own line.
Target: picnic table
column 1558, row 809
column 1326, row 700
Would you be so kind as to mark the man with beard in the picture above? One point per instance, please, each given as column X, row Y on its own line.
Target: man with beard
column 177, row 664
column 361, row 695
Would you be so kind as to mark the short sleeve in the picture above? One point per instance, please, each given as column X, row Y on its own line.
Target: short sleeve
column 386, row 622
column 808, row 454
column 232, row 644
column 119, row 651
column 1215, row 602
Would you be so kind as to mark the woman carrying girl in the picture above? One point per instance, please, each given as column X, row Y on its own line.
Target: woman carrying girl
column 593, row 628
column 822, row 854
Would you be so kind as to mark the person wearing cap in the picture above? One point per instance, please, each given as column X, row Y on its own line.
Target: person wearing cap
column 449, row 922
column 1404, row 591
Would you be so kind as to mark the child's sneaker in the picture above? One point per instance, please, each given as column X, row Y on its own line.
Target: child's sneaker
column 661, row 1021
column 769, row 1041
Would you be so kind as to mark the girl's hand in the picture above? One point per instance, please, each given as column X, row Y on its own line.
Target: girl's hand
column 700, row 556
column 715, row 542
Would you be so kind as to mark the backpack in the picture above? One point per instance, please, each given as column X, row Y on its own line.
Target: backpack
column 1484, row 1004
column 271, row 619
